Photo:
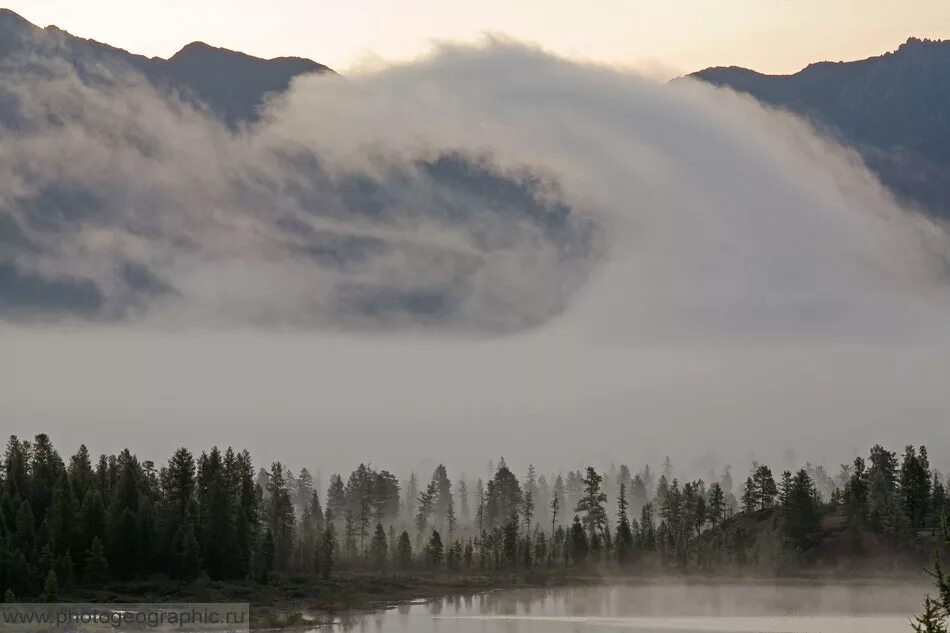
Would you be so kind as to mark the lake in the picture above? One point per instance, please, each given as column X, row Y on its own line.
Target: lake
column 750, row 606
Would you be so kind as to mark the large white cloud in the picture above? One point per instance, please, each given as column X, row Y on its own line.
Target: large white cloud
column 756, row 289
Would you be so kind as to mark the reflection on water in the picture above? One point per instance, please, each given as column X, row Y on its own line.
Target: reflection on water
column 768, row 607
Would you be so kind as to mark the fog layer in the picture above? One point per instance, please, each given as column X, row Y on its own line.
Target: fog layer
column 697, row 276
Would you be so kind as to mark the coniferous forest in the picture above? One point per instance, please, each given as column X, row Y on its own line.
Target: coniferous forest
column 71, row 523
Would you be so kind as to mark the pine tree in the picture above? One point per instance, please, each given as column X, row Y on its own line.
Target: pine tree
column 425, row 502
column 280, row 516
column 216, row 534
column 303, row 492
column 592, row 504
column 442, row 499
column 785, row 491
column 25, row 529
column 412, row 495
column 915, row 486
column 938, row 504
column 882, row 501
column 328, row 547
column 856, row 494
column 190, row 563
column 434, row 550
column 717, row 504
column 379, row 548
column 51, row 587
column 61, row 519
column 45, row 469
column 527, row 510
column 624, row 540
column 453, row 556
column 557, row 496
column 748, row 496
column 247, row 496
column 178, row 483
column 503, row 498
column 647, row 528
column 336, row 497
column 350, row 548
column 932, row 620
column 765, row 488
column 450, row 521
column 578, row 542
column 801, row 520
column 364, row 519
column 404, row 551
column 65, row 570
column 96, row 564
column 463, row 502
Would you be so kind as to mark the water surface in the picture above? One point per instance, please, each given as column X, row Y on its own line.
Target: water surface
column 739, row 607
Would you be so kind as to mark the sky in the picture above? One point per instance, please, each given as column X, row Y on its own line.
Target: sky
column 666, row 38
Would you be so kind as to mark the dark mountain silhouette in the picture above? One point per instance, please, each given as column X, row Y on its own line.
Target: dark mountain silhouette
column 232, row 84
column 894, row 109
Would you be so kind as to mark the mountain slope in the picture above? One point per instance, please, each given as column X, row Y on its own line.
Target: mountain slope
column 894, row 109
column 230, row 83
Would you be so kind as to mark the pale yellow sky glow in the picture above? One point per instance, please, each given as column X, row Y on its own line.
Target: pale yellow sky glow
column 667, row 37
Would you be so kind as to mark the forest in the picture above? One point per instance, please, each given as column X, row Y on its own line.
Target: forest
column 90, row 522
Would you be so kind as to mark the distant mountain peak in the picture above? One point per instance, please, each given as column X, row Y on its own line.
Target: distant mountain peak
column 203, row 50
column 13, row 22
column 199, row 51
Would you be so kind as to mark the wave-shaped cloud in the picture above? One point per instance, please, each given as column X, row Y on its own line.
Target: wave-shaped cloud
column 684, row 257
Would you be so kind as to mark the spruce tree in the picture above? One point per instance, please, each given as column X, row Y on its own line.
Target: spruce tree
column 45, row 469
column 434, row 550
column 802, row 519
column 328, row 547
column 280, row 516
column 527, row 510
column 96, row 566
column 51, row 587
column 379, row 548
column 578, row 543
column 717, row 504
column 463, row 502
column 932, row 620
column 915, row 483
column 65, row 570
column 624, row 540
column 61, row 519
column 748, row 496
column 404, row 551
column 303, row 492
column 190, row 563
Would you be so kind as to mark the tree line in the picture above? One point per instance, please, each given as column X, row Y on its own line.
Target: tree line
column 69, row 524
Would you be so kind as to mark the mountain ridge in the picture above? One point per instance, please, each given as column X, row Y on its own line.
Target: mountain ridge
column 231, row 83
column 894, row 109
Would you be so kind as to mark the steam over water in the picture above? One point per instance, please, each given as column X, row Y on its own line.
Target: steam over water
column 729, row 607
column 628, row 270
